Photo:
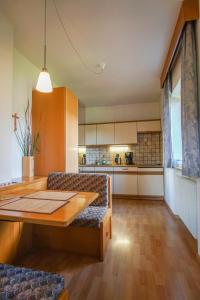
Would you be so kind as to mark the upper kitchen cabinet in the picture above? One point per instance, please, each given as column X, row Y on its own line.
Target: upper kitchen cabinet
column 90, row 134
column 125, row 133
column 149, row 126
column 105, row 134
column 81, row 135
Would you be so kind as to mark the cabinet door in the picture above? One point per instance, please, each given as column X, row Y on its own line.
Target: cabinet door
column 149, row 126
column 150, row 185
column 90, row 134
column 125, row 133
column 125, row 184
column 81, row 135
column 105, row 134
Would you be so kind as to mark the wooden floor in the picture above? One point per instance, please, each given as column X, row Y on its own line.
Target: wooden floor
column 151, row 256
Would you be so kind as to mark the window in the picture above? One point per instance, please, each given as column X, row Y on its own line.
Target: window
column 176, row 135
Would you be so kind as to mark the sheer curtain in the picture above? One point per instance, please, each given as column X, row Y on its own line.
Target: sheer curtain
column 167, row 144
column 189, row 103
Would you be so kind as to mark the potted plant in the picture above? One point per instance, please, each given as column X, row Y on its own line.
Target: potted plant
column 28, row 143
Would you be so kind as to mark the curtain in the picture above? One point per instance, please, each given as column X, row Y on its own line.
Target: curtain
column 189, row 103
column 167, row 124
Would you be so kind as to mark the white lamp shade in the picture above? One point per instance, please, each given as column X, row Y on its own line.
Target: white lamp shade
column 44, row 84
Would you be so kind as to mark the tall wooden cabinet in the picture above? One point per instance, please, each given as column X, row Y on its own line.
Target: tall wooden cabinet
column 55, row 116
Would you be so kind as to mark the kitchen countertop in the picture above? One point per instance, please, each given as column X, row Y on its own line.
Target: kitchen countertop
column 127, row 166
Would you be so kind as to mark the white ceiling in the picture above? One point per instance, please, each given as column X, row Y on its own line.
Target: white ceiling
column 131, row 36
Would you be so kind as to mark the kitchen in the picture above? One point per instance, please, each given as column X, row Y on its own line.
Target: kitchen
column 130, row 152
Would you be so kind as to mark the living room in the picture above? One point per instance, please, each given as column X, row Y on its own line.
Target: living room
column 99, row 156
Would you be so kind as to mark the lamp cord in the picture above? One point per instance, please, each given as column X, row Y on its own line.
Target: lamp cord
column 72, row 44
column 45, row 34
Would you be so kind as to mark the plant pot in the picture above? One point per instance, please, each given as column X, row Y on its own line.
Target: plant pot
column 27, row 166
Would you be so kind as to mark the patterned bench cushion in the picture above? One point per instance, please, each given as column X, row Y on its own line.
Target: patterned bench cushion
column 26, row 284
column 90, row 217
column 82, row 183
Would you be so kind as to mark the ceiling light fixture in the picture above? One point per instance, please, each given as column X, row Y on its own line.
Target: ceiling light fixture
column 44, row 84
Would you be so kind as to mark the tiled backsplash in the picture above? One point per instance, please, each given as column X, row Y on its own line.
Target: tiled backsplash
column 148, row 151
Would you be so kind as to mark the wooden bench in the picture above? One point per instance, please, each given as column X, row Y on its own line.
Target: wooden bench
column 91, row 231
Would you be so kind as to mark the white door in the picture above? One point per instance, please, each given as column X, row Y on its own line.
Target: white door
column 125, row 184
column 125, row 133
column 105, row 134
column 150, row 185
column 149, row 126
column 90, row 134
column 81, row 135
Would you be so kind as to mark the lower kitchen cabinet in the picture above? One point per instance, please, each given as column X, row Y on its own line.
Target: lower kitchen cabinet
column 132, row 180
column 150, row 185
column 125, row 184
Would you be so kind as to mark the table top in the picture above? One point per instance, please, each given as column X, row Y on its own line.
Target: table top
column 61, row 217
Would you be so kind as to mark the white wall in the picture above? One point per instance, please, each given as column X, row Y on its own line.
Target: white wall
column 6, row 61
column 25, row 76
column 183, row 194
column 18, row 77
column 127, row 112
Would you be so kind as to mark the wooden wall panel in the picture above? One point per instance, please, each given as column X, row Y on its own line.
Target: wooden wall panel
column 71, row 151
column 55, row 116
column 48, row 112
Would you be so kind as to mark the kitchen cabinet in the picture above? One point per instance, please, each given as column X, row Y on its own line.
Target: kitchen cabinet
column 150, row 184
column 125, row 184
column 105, row 134
column 90, row 134
column 130, row 180
column 125, row 133
column 125, row 181
column 149, row 126
column 81, row 135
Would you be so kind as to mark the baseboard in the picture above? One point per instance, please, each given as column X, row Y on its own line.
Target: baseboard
column 170, row 210
column 137, row 197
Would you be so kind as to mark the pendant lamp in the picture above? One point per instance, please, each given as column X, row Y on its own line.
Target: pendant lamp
column 44, row 84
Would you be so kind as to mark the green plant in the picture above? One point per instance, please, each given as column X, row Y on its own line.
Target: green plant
column 29, row 143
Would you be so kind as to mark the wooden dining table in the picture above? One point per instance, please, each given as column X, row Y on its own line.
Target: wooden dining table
column 62, row 217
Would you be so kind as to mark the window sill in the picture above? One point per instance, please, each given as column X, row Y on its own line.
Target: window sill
column 179, row 174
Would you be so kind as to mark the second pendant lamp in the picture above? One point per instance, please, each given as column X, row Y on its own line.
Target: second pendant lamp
column 44, row 84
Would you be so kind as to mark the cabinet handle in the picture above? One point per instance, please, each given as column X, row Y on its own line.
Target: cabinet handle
column 125, row 169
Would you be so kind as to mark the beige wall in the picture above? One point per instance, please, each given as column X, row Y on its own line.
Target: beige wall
column 117, row 113
column 6, row 61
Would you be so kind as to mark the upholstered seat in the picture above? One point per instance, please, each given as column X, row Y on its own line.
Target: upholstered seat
column 27, row 284
column 81, row 183
column 92, row 216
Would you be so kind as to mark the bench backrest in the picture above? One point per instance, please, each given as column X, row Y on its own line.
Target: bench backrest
column 81, row 183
